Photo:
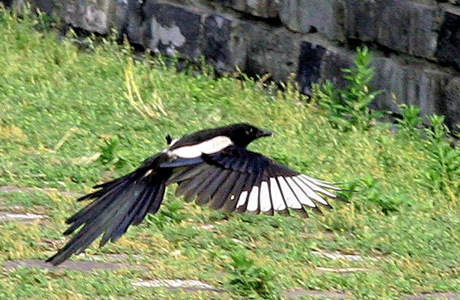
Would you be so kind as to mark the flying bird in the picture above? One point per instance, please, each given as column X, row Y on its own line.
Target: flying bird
column 212, row 167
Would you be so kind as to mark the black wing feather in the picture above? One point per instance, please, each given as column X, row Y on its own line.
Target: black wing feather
column 230, row 204
column 209, row 191
column 222, row 178
column 222, row 194
column 202, row 185
column 185, row 173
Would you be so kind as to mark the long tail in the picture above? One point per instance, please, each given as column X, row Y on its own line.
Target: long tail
column 117, row 205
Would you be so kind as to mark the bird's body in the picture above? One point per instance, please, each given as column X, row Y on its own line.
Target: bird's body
column 212, row 166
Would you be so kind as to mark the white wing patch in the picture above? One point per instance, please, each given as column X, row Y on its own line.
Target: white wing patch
column 307, row 194
column 279, row 193
column 277, row 198
column 289, row 196
column 264, row 196
column 208, row 147
column 242, row 199
column 300, row 195
column 321, row 183
column 253, row 201
column 315, row 187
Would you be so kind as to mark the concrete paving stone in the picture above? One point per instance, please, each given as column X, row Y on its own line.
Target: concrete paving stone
column 446, row 295
column 295, row 293
column 114, row 257
column 342, row 270
column 10, row 216
column 176, row 284
column 14, row 189
column 80, row 266
column 349, row 257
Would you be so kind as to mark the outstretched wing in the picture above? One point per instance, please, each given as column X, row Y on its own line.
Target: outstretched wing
column 236, row 179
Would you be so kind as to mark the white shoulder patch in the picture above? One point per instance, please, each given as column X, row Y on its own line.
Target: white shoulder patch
column 207, row 147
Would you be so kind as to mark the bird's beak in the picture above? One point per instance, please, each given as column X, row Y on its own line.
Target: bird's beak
column 263, row 133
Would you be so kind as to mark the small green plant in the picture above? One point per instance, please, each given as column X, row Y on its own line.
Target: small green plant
column 349, row 107
column 251, row 281
column 387, row 202
column 444, row 171
column 410, row 121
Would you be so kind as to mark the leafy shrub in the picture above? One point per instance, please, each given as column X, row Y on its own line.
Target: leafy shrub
column 410, row 120
column 349, row 107
column 444, row 171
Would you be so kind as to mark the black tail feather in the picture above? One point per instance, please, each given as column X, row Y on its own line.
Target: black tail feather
column 94, row 209
column 155, row 206
column 117, row 205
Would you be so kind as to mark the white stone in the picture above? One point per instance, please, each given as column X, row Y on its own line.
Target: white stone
column 174, row 283
column 5, row 216
column 338, row 255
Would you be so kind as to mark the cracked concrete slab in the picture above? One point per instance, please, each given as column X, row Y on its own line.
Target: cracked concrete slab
column 295, row 293
column 348, row 257
column 81, row 266
column 176, row 284
column 115, row 257
column 342, row 270
column 11, row 216
column 440, row 295
column 13, row 189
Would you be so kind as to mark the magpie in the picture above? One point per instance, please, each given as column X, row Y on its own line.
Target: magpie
column 212, row 167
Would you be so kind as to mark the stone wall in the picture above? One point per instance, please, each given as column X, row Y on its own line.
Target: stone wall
column 416, row 43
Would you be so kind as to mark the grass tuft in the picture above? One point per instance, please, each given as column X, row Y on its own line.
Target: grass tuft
column 155, row 109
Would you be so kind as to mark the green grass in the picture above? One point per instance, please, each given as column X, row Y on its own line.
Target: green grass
column 72, row 118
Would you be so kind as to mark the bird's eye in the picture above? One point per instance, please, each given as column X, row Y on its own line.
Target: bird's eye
column 249, row 131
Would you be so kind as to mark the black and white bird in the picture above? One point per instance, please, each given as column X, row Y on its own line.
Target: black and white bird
column 212, row 166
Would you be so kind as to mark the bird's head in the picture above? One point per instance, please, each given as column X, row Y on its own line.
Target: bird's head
column 243, row 134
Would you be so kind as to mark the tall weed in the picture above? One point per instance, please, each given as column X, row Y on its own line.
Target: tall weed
column 349, row 107
column 443, row 172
